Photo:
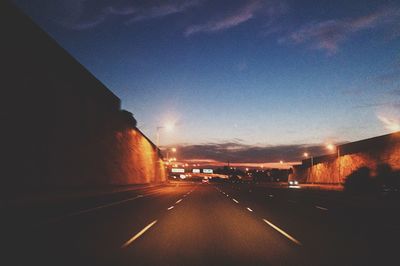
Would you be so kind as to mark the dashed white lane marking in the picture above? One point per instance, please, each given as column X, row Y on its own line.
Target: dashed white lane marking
column 321, row 208
column 250, row 210
column 235, row 201
column 127, row 243
column 294, row 240
column 170, row 208
column 178, row 201
column 270, row 195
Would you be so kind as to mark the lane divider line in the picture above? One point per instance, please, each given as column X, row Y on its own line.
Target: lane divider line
column 170, row 208
column 321, row 208
column 127, row 243
column 178, row 201
column 294, row 240
column 250, row 210
column 235, row 201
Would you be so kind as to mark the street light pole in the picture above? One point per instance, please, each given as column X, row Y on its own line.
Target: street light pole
column 332, row 147
column 338, row 157
column 173, row 150
column 312, row 164
column 158, row 136
column 167, row 126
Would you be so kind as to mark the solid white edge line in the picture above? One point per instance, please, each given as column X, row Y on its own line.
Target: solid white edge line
column 102, row 206
column 282, row 232
column 127, row 243
column 321, row 208
column 235, row 201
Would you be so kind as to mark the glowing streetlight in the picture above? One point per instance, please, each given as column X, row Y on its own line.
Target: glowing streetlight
column 330, row 147
column 312, row 163
column 168, row 127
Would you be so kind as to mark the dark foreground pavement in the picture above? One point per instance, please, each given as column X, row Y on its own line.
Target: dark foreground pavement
column 201, row 224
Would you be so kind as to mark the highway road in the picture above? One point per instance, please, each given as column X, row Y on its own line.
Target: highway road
column 203, row 224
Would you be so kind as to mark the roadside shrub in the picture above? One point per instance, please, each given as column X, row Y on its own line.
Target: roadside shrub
column 386, row 177
column 359, row 182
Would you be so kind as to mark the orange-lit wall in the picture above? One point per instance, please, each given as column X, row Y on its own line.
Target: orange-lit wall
column 138, row 160
column 328, row 172
column 115, row 158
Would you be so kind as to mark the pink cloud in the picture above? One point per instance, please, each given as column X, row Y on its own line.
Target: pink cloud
column 86, row 15
column 226, row 21
column 328, row 35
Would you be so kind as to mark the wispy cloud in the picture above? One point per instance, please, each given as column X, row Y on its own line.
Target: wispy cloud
column 328, row 35
column 163, row 10
column 240, row 16
column 390, row 123
column 88, row 14
column 246, row 12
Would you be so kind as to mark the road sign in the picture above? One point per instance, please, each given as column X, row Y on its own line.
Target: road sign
column 177, row 170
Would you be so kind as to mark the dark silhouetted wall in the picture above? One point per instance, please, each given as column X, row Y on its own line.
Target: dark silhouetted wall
column 60, row 125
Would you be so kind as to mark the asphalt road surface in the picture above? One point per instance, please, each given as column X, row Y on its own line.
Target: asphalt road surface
column 203, row 224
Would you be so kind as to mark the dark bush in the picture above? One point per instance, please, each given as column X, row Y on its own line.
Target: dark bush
column 386, row 178
column 359, row 182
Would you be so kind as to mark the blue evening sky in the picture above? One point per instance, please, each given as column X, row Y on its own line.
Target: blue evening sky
column 250, row 72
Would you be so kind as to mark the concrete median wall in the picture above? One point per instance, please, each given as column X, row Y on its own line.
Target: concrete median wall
column 60, row 125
